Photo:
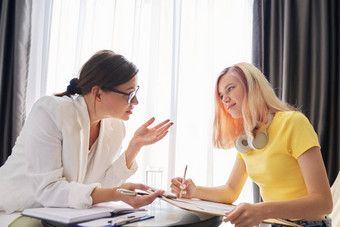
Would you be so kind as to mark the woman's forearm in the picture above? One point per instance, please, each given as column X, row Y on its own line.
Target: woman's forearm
column 131, row 153
column 221, row 194
column 310, row 207
column 229, row 192
column 100, row 195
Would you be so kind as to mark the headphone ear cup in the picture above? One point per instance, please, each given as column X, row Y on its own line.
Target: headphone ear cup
column 241, row 144
column 260, row 141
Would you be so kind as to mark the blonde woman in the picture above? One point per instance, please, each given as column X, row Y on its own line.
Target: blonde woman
column 277, row 148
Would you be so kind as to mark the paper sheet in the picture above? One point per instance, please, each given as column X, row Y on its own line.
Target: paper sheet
column 199, row 202
column 213, row 208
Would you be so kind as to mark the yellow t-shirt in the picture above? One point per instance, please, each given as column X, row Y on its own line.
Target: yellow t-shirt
column 275, row 168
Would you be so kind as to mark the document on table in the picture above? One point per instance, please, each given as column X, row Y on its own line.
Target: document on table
column 218, row 209
column 202, row 206
column 203, row 203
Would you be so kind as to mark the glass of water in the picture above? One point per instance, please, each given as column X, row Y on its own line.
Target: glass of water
column 154, row 177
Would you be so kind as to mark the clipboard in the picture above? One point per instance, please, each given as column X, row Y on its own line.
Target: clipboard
column 218, row 210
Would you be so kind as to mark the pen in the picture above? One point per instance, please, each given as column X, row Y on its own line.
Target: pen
column 129, row 219
column 123, row 221
column 185, row 172
column 126, row 221
column 129, row 192
column 151, row 190
column 166, row 195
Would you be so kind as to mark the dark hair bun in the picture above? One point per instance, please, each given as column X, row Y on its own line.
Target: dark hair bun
column 73, row 87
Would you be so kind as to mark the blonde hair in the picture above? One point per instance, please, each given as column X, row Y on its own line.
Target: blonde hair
column 260, row 99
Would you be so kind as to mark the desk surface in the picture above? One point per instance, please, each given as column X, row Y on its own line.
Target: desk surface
column 165, row 215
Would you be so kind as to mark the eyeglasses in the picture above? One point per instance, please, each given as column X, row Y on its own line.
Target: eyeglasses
column 130, row 95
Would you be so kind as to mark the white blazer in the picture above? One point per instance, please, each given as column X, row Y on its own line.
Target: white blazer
column 49, row 164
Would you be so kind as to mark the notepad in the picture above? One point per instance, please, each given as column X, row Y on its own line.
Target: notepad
column 70, row 215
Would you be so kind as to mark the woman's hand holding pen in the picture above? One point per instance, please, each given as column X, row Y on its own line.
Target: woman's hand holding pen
column 188, row 187
column 138, row 201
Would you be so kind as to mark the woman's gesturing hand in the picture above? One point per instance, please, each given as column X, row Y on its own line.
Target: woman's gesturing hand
column 146, row 136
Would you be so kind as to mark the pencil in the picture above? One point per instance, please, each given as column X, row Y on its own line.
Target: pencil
column 185, row 172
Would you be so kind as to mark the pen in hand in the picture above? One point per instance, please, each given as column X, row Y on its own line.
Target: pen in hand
column 181, row 191
column 129, row 192
column 135, row 193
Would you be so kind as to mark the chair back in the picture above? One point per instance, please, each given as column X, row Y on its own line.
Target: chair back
column 335, row 215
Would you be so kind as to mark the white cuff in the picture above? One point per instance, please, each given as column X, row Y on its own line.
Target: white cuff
column 80, row 195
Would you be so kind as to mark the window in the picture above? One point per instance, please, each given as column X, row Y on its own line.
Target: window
column 180, row 47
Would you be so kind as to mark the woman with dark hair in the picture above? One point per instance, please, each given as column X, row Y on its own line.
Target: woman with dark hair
column 277, row 148
column 68, row 152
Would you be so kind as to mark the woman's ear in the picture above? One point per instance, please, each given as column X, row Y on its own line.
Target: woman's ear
column 96, row 93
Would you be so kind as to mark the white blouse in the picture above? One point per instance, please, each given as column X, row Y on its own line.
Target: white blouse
column 51, row 164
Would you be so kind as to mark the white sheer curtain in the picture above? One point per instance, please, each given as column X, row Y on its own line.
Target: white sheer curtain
column 179, row 47
column 40, row 35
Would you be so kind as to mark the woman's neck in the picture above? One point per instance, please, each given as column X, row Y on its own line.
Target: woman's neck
column 94, row 133
column 94, row 119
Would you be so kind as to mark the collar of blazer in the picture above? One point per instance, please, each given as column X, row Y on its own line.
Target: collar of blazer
column 83, row 136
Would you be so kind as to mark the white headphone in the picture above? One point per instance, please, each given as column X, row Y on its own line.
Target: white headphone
column 243, row 143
